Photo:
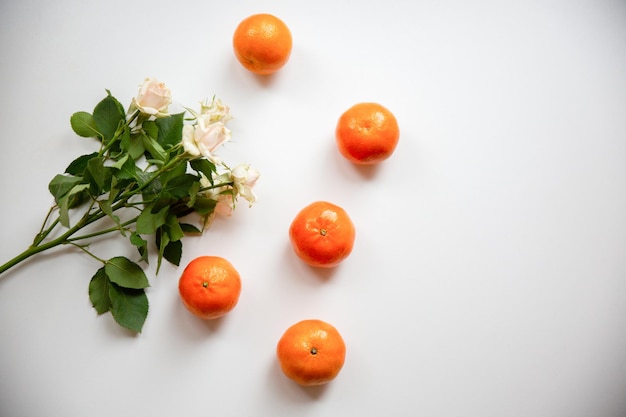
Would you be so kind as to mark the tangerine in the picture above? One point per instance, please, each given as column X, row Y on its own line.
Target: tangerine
column 322, row 234
column 311, row 352
column 209, row 287
column 262, row 43
column 367, row 133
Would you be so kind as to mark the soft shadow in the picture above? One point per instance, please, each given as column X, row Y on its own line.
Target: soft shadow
column 324, row 274
column 265, row 81
column 314, row 392
column 300, row 268
column 117, row 330
column 364, row 171
column 286, row 389
column 367, row 172
column 213, row 325
column 43, row 257
column 191, row 326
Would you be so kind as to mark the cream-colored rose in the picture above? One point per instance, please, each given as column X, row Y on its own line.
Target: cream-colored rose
column 223, row 195
column 205, row 137
column 244, row 178
column 225, row 205
column 153, row 98
column 216, row 110
column 189, row 142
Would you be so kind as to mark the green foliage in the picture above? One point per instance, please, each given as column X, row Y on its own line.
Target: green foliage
column 129, row 307
column 170, row 130
column 99, row 291
column 78, row 166
column 126, row 273
column 108, row 115
column 142, row 182
column 84, row 125
column 110, row 290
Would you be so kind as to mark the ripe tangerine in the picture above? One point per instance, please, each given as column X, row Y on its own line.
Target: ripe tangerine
column 209, row 287
column 262, row 43
column 367, row 133
column 322, row 234
column 311, row 352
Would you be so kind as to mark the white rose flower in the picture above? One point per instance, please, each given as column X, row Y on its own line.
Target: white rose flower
column 205, row 137
column 225, row 205
column 217, row 111
column 189, row 142
column 153, row 98
column 244, row 178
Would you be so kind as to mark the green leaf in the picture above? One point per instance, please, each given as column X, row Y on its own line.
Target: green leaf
column 76, row 192
column 107, row 115
column 153, row 148
column 64, row 211
column 79, row 165
column 123, row 143
column 116, row 189
column 141, row 244
column 151, row 129
column 120, row 162
column 129, row 307
column 69, row 200
column 205, row 167
column 99, row 175
column 193, row 193
column 83, row 124
column 156, row 188
column 143, row 177
column 190, row 229
column 132, row 144
column 170, row 130
column 148, row 222
column 204, row 205
column 162, row 239
column 179, row 169
column 173, row 252
column 174, row 231
column 128, row 170
column 60, row 185
column 78, row 196
column 99, row 291
column 105, row 206
column 126, row 273
column 181, row 209
column 179, row 186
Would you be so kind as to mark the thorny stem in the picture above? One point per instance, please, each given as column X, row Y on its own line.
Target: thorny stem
column 37, row 248
column 88, row 218
column 84, row 249
column 44, row 233
column 43, row 225
column 117, row 134
column 103, row 232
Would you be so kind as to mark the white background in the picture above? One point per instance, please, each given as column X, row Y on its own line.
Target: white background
column 488, row 277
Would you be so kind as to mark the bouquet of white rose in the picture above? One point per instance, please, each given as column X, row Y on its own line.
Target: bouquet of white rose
column 155, row 175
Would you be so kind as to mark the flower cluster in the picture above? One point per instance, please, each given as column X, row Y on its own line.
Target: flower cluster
column 209, row 131
column 202, row 138
column 154, row 170
column 153, row 99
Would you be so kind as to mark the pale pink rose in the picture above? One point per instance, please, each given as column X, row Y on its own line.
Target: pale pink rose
column 153, row 98
column 244, row 178
column 225, row 205
column 205, row 137
column 216, row 110
column 189, row 142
